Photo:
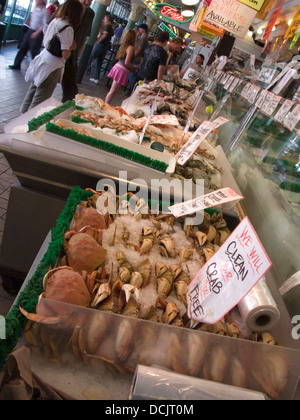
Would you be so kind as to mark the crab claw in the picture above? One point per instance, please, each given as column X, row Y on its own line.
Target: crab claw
column 103, row 292
column 129, row 290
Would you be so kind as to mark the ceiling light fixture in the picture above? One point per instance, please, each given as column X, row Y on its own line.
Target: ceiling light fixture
column 190, row 2
column 259, row 31
column 187, row 13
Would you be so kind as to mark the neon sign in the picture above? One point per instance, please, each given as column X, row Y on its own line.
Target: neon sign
column 169, row 12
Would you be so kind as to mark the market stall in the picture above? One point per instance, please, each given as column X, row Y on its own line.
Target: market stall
column 200, row 282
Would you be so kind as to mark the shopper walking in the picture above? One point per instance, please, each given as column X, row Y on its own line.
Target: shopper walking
column 33, row 38
column 120, row 71
column 101, row 47
column 155, row 59
column 2, row 7
column 45, row 71
column 82, row 32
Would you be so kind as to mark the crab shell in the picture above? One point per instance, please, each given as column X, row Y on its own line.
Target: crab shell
column 65, row 285
column 84, row 253
column 90, row 217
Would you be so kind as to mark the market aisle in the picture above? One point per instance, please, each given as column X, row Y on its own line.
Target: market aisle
column 13, row 89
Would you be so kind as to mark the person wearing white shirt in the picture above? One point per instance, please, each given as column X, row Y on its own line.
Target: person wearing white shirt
column 46, row 70
column 33, row 38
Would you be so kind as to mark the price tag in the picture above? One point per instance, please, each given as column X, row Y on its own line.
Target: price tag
column 245, row 90
column 285, row 108
column 186, row 152
column 228, row 276
column 273, row 105
column 253, row 94
column 267, row 102
column 234, row 85
column 228, row 83
column 164, row 119
column 261, row 98
column 293, row 118
column 215, row 198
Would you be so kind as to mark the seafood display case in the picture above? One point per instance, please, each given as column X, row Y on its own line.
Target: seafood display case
column 136, row 313
column 264, row 157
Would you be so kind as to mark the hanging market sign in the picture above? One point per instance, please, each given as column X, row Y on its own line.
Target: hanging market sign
column 271, row 24
column 266, row 9
column 294, row 42
column 198, row 25
column 294, row 25
column 164, row 27
column 254, row 4
column 230, row 15
column 169, row 12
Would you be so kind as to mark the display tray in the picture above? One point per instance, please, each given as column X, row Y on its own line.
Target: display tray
column 96, row 336
column 50, row 146
column 67, row 333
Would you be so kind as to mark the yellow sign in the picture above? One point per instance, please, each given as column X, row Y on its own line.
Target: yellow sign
column 294, row 25
column 266, row 9
column 254, row 4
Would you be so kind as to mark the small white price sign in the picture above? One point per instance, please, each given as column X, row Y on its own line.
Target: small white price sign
column 293, row 118
column 215, row 198
column 186, row 152
column 285, row 108
column 228, row 276
column 164, row 119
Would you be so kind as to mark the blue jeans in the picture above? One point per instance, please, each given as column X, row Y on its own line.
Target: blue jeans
column 132, row 77
column 98, row 54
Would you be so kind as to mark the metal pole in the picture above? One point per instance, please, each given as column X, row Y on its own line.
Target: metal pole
column 9, row 21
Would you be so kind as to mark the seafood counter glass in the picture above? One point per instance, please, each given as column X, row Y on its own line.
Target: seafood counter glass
column 266, row 167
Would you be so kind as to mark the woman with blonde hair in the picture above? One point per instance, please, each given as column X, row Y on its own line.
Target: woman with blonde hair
column 120, row 71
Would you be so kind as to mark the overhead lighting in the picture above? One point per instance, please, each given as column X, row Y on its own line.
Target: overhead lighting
column 250, row 33
column 190, row 2
column 259, row 31
column 290, row 22
column 274, row 28
column 187, row 13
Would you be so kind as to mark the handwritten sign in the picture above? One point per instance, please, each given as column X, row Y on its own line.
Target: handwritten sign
column 270, row 104
column 253, row 94
column 215, row 198
column 228, row 276
column 292, row 118
column 285, row 108
column 261, row 98
column 164, row 119
column 231, row 15
column 186, row 152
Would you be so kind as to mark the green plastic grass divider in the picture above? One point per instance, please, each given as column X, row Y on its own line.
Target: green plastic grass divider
column 15, row 322
column 37, row 122
column 107, row 147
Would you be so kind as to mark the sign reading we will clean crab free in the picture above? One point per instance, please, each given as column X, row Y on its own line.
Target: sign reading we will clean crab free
column 228, row 276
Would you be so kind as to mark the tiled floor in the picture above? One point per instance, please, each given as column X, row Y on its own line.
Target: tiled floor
column 12, row 91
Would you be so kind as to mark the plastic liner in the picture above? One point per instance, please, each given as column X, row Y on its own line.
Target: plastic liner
column 153, row 383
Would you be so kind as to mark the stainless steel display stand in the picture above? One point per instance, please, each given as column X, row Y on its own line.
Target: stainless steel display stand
column 35, row 202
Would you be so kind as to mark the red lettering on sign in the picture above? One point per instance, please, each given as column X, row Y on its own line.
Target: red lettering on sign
column 171, row 12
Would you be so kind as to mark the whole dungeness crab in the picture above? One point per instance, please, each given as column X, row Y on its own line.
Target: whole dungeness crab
column 84, row 253
column 66, row 285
